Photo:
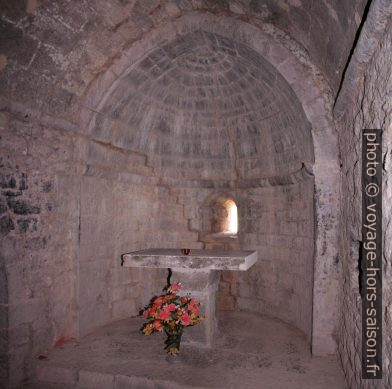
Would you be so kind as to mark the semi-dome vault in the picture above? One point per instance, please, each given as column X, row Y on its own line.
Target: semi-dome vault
column 203, row 106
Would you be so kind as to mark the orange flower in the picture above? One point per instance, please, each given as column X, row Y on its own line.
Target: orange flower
column 157, row 325
column 159, row 300
column 152, row 311
column 147, row 329
column 169, row 297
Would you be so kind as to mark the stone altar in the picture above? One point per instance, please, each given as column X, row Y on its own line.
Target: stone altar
column 198, row 273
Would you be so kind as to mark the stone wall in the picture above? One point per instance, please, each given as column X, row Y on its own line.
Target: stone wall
column 278, row 222
column 77, row 194
column 325, row 28
column 119, row 217
column 69, row 208
column 39, row 218
column 368, row 105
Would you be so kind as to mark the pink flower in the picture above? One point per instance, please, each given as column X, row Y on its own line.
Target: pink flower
column 185, row 319
column 195, row 310
column 164, row 315
column 192, row 303
column 175, row 287
column 170, row 307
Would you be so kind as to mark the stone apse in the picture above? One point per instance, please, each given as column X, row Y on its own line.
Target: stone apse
column 141, row 148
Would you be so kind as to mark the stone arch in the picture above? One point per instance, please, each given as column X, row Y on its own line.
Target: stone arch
column 311, row 90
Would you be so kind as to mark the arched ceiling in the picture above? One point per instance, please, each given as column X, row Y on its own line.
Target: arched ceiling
column 51, row 51
column 204, row 106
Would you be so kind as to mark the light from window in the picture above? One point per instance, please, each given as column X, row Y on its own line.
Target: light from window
column 232, row 215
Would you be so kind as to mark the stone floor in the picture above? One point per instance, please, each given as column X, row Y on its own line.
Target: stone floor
column 251, row 352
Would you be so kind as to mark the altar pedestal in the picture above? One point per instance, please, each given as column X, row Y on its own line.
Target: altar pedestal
column 198, row 273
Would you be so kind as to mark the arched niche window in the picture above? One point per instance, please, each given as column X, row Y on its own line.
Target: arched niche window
column 220, row 216
column 225, row 217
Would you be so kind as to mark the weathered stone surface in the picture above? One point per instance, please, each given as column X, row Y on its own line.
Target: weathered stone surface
column 6, row 225
column 118, row 119
column 195, row 280
column 367, row 106
column 280, row 358
column 56, row 374
column 196, row 260
column 22, row 208
column 92, row 380
column 204, row 334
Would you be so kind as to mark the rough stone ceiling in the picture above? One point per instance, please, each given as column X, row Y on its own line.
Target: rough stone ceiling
column 56, row 48
column 204, row 106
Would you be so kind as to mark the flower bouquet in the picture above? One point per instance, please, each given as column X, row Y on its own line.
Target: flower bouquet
column 171, row 313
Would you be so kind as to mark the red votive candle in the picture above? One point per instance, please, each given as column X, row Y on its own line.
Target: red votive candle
column 186, row 251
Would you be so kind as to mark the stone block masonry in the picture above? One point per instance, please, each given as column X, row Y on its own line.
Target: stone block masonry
column 36, row 240
column 118, row 119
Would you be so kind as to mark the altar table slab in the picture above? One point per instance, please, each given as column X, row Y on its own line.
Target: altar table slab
column 198, row 273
